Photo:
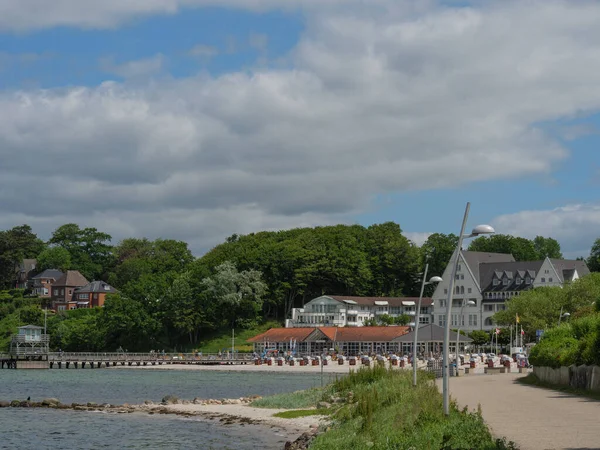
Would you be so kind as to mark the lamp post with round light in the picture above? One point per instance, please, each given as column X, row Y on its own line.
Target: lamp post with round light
column 477, row 231
column 424, row 283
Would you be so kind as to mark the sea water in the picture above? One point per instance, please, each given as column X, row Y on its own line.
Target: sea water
column 57, row 429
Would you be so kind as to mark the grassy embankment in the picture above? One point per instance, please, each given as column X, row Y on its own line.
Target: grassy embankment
column 222, row 339
column 378, row 408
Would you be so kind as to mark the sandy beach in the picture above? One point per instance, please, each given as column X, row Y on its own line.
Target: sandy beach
column 328, row 369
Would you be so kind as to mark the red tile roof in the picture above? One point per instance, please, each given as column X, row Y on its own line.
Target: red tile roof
column 392, row 301
column 282, row 334
column 337, row 334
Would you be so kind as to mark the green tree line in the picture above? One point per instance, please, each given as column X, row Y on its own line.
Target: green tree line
column 169, row 298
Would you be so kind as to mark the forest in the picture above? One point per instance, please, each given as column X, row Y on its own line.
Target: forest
column 170, row 299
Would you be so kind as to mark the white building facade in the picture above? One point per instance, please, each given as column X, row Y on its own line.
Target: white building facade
column 488, row 280
column 342, row 311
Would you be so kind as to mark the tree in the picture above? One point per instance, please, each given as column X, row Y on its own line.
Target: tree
column 90, row 249
column 540, row 308
column 238, row 295
column 15, row 245
column 54, row 258
column 547, row 248
column 593, row 260
column 183, row 312
column 479, row 337
column 437, row 251
column 522, row 249
column 126, row 323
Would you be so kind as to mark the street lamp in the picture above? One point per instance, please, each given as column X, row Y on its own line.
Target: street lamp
column 417, row 317
column 477, row 231
column 468, row 303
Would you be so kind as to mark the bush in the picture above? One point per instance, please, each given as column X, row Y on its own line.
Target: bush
column 577, row 342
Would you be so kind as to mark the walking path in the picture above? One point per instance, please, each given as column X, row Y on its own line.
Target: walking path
column 534, row 418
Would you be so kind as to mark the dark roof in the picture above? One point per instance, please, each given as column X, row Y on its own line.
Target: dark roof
column 568, row 265
column 431, row 333
column 71, row 279
column 49, row 273
column 489, row 271
column 370, row 301
column 31, row 327
column 96, row 286
column 474, row 259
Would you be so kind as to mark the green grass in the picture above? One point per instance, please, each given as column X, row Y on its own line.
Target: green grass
column 295, row 413
column 292, row 400
column 533, row 380
column 384, row 411
column 222, row 340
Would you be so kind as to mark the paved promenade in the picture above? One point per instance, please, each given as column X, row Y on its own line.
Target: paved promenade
column 534, row 418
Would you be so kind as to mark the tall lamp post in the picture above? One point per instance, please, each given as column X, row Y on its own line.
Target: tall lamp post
column 477, row 231
column 417, row 318
column 468, row 303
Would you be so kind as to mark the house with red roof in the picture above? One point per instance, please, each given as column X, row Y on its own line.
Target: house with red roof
column 348, row 341
column 350, row 311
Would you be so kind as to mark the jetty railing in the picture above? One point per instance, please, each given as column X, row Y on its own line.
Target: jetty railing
column 147, row 357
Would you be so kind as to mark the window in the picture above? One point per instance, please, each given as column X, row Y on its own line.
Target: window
column 488, row 322
column 62, row 307
column 445, row 291
column 462, row 276
column 459, row 267
column 496, row 282
column 488, row 308
column 469, row 290
column 62, row 292
column 462, row 289
column 472, row 320
column 95, row 296
column 82, row 296
column 70, row 291
column 500, row 307
column 505, row 282
column 457, row 276
column 546, row 271
column 441, row 320
column 550, row 280
column 543, row 280
column 457, row 289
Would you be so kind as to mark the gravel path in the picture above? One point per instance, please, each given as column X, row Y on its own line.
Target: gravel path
column 534, row 418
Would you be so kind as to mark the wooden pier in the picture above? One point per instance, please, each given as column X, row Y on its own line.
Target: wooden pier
column 105, row 360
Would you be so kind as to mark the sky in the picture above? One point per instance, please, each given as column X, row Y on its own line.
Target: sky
column 198, row 119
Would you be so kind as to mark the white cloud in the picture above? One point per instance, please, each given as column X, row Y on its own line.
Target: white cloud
column 133, row 69
column 23, row 15
column 576, row 226
column 382, row 97
column 418, row 238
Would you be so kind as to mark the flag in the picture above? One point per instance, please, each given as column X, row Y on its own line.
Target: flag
column 518, row 319
column 497, row 330
column 522, row 332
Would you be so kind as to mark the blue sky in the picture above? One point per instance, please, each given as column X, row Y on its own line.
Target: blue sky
column 212, row 120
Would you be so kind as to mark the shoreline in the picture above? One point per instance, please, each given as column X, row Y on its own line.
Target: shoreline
column 236, row 411
column 328, row 369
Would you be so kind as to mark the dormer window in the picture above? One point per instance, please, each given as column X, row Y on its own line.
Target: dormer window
column 505, row 282
column 519, row 280
column 496, row 282
column 527, row 280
